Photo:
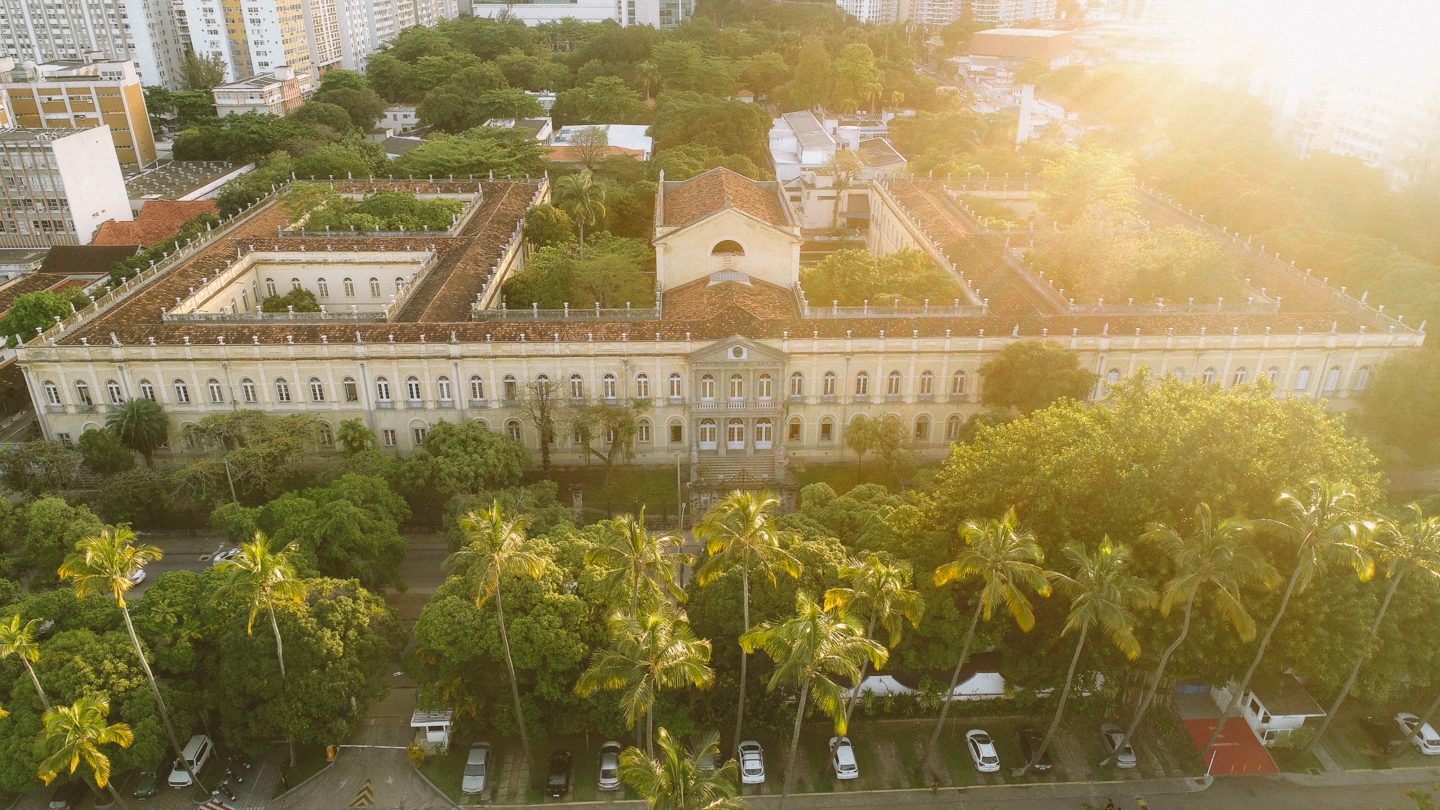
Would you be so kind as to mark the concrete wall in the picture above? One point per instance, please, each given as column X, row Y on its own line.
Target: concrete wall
column 770, row 255
column 90, row 172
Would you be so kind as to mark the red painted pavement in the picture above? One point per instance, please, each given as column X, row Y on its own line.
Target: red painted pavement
column 1236, row 752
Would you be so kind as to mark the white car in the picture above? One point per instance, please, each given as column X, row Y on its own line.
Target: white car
column 982, row 750
column 610, row 766
column 842, row 757
column 222, row 556
column 752, row 762
column 476, row 763
column 1422, row 736
column 1113, row 734
column 137, row 576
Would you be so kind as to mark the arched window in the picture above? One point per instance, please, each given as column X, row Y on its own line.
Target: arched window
column 477, row 388
column 112, row 390
column 349, row 288
column 957, row 384
column 642, row 431
column 927, row 384
column 374, row 287
column 282, row 390
column 922, row 428
column 52, row 393
column 295, row 284
column 707, row 388
column 577, row 386
column 412, row 388
column 82, row 393
column 893, row 382
column 862, row 383
column 764, row 387
column 708, row 431
column 608, row 386
column 1302, row 379
column 512, row 429
column 1240, row 376
column 1273, row 374
column 642, row 385
column 147, row 390
column 728, row 254
column 1208, row 375
column 736, row 389
column 352, row 391
column 1362, row 379
column 795, row 429
column 677, row 386
column 270, row 287
column 735, row 434
column 327, row 435
column 508, row 387
column 483, row 424
column 952, row 427
column 324, row 287
column 764, row 434
column 399, row 284
column 247, row 390
column 317, row 390
column 677, row 432
column 1112, row 376
column 827, row 384
column 382, row 389
column 217, row 394
column 797, row 384
column 1332, row 380
column 442, row 389
column 182, row 392
column 827, row 429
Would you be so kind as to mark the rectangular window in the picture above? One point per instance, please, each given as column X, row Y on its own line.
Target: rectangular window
column 352, row 393
column 419, row 436
column 827, row 431
column 677, row 433
column 65, row 439
column 388, row 437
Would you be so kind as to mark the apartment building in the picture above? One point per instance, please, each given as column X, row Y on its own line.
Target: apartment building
column 146, row 32
column 1010, row 12
column 58, row 185
column 81, row 93
column 278, row 93
column 879, row 12
column 659, row 13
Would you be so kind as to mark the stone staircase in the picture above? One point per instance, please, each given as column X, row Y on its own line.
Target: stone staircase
column 739, row 469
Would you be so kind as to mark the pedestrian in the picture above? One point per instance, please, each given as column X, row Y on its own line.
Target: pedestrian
column 934, row 785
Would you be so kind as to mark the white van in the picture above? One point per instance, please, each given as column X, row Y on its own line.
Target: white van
column 197, row 753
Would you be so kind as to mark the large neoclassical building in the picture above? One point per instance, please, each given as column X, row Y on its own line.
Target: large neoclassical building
column 737, row 373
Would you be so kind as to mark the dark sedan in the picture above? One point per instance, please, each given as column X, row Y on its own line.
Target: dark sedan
column 557, row 784
column 1030, row 740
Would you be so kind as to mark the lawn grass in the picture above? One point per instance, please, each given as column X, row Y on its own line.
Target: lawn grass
column 446, row 770
column 1355, row 750
column 629, row 489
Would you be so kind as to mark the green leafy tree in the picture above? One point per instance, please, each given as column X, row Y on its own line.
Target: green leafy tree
column 880, row 593
column 260, row 576
column 648, row 653
column 48, row 528
column 1006, row 559
column 331, row 120
column 1388, row 404
column 38, row 310
column 631, row 560
column 862, row 435
column 141, row 425
column 355, row 437
column 239, row 138
column 857, row 77
column 1030, row 374
column 815, row 652
column 104, row 453
column 582, row 199
column 38, row 466
column 1222, row 561
column 546, row 225
column 740, row 532
column 612, row 272
column 480, row 151
column 73, row 734
column 733, row 127
column 203, row 72
column 852, row 278
column 18, row 640
column 105, row 564
column 256, row 455
column 457, row 107
column 1103, row 595
column 687, row 160
column 680, row 778
column 496, row 551
column 1081, row 178
column 459, row 459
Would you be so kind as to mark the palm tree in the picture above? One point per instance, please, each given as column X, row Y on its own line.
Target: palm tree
column 651, row 652
column 1323, row 526
column 262, row 576
column 70, row 734
column 141, row 425
column 740, row 532
column 630, row 558
column 496, row 549
column 679, row 778
column 104, row 564
column 880, row 591
column 1006, row 559
column 1413, row 545
column 582, row 200
column 1102, row 594
column 1219, row 559
column 19, row 640
column 649, row 75
column 816, row 651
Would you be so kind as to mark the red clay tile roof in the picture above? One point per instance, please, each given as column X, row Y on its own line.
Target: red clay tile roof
column 692, row 200
column 86, row 260
column 158, row 220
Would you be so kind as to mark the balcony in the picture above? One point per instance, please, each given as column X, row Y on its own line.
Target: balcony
column 479, row 403
column 414, row 404
column 385, row 405
column 445, row 403
column 830, row 398
column 925, row 398
column 861, row 398
column 894, row 397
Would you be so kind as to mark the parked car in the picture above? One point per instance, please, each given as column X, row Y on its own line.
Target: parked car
column 842, row 757
column 222, row 556
column 147, row 784
column 752, row 762
column 137, row 576
column 477, row 762
column 610, row 766
column 1422, row 736
column 982, row 750
column 1030, row 740
column 67, row 796
column 1383, row 734
column 1113, row 734
column 197, row 752
column 557, row 783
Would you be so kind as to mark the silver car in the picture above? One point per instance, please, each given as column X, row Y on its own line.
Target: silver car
column 752, row 762
column 1125, row 757
column 610, row 766
column 476, row 765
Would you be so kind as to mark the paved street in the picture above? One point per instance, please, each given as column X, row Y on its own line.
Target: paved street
column 183, row 552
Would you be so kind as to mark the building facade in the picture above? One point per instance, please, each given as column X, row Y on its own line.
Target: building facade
column 82, row 93
column 279, row 94
column 659, row 13
column 146, row 32
column 878, row 12
column 58, row 185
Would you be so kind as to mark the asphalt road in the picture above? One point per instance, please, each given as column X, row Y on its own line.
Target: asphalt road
column 182, row 553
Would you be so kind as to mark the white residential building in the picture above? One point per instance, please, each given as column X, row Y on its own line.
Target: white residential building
column 1010, row 12
column 58, row 185
column 798, row 141
column 659, row 13
column 145, row 32
column 277, row 94
column 870, row 11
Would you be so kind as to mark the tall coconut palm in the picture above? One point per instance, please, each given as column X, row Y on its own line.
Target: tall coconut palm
column 141, row 425
column 104, row 564
column 681, row 778
column 19, row 640
column 1219, row 560
column 632, row 560
column 262, row 576
column 1322, row 524
column 1410, row 545
column 879, row 593
column 72, row 734
column 648, row 653
column 816, row 652
column 1103, row 593
column 1006, row 559
column 649, row 74
column 740, row 532
column 582, row 199
column 496, row 549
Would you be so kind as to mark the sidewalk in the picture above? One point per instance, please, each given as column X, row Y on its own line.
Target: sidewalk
column 1388, row 776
